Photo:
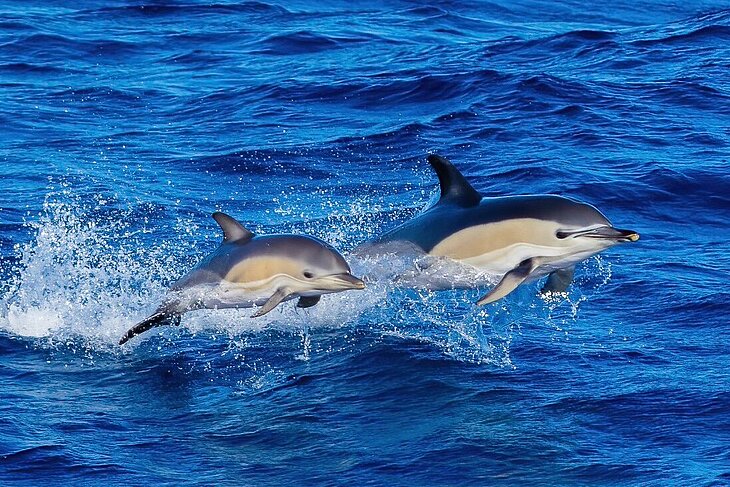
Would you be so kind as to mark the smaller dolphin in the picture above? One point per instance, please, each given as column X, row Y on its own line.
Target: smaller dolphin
column 519, row 237
column 248, row 270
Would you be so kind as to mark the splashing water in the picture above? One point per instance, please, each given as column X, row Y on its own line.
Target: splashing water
column 90, row 273
column 85, row 275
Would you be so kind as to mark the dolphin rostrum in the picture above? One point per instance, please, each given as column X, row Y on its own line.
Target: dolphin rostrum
column 519, row 237
column 248, row 270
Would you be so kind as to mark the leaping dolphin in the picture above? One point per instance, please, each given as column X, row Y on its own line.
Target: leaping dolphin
column 248, row 270
column 519, row 237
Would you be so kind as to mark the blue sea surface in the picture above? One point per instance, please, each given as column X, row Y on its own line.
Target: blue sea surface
column 124, row 125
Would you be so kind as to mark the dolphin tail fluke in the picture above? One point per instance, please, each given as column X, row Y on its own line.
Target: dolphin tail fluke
column 158, row 319
column 510, row 281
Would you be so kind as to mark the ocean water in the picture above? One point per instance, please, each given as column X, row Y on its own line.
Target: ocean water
column 126, row 124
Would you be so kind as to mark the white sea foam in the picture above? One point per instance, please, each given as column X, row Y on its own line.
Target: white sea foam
column 79, row 276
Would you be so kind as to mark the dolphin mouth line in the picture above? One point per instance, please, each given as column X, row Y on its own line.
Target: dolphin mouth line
column 351, row 281
column 603, row 233
column 610, row 233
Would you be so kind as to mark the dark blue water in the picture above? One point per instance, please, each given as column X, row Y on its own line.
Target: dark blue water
column 124, row 125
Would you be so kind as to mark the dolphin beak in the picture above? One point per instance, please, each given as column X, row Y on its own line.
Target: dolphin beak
column 349, row 281
column 610, row 233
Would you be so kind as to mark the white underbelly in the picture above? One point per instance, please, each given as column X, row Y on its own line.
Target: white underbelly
column 501, row 261
column 226, row 294
column 505, row 259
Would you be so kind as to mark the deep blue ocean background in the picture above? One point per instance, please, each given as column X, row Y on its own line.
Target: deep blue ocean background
column 124, row 125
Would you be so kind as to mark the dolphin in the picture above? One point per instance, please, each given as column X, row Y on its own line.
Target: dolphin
column 520, row 238
column 248, row 270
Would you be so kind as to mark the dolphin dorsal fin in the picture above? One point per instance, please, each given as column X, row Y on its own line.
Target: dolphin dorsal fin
column 454, row 186
column 233, row 231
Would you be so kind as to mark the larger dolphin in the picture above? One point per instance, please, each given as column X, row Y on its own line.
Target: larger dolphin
column 519, row 237
column 248, row 270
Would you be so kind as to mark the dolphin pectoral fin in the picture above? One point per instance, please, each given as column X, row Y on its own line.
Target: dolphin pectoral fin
column 276, row 298
column 308, row 301
column 559, row 281
column 509, row 281
column 158, row 319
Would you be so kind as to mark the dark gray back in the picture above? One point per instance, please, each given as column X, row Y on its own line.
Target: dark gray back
column 443, row 219
column 311, row 251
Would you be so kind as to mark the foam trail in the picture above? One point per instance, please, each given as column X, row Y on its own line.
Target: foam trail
column 83, row 275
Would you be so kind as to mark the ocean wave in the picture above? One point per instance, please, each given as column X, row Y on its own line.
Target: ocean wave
column 188, row 10
column 694, row 92
column 16, row 26
column 48, row 46
column 701, row 30
column 382, row 89
column 699, row 36
column 666, row 184
column 306, row 42
column 578, row 43
column 20, row 68
column 261, row 162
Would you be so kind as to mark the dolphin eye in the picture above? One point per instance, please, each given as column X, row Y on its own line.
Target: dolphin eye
column 308, row 274
column 561, row 235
